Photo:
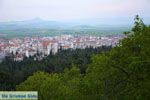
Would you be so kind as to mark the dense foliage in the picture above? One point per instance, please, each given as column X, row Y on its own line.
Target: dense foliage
column 13, row 73
column 121, row 74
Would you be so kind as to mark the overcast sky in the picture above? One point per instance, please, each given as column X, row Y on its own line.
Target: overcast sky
column 66, row 10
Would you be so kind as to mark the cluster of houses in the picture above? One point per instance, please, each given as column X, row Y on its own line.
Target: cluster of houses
column 30, row 46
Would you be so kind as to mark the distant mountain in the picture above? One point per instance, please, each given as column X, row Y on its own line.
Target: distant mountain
column 97, row 23
column 75, row 24
column 83, row 27
column 39, row 27
column 34, row 23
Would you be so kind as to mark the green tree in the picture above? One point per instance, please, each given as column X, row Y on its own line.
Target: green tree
column 121, row 74
column 34, row 83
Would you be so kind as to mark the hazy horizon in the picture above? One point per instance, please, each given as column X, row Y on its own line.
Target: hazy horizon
column 74, row 10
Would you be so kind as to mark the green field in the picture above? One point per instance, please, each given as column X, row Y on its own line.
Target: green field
column 11, row 33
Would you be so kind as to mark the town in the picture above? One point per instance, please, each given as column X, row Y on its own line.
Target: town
column 18, row 49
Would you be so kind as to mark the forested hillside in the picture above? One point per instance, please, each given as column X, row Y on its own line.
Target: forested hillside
column 121, row 74
column 13, row 73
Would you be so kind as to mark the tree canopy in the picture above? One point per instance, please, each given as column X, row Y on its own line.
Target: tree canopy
column 121, row 74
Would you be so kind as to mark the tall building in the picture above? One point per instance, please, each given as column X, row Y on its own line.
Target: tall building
column 54, row 48
column 27, row 53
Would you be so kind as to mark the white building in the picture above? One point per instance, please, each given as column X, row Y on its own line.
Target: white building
column 54, row 48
